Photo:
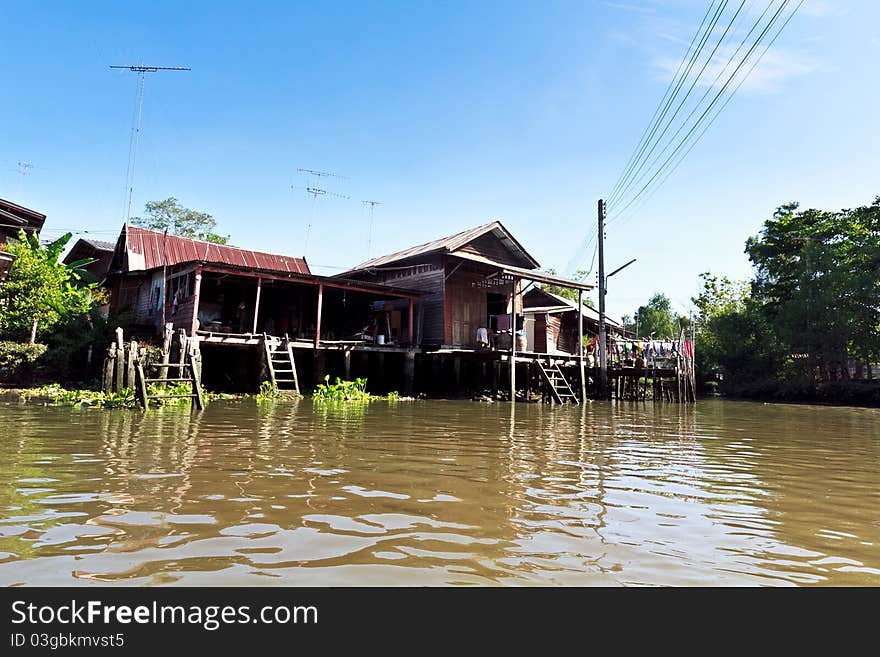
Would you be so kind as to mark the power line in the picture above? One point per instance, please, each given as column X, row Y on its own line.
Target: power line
column 662, row 100
column 699, row 103
column 681, row 158
column 691, row 61
column 710, row 106
column 622, row 192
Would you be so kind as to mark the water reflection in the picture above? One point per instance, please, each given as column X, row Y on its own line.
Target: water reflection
column 440, row 493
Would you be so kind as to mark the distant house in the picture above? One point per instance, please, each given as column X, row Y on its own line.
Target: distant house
column 552, row 322
column 100, row 252
column 221, row 289
column 469, row 280
column 13, row 218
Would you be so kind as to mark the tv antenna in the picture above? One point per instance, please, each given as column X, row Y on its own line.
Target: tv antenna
column 315, row 192
column 372, row 205
column 136, row 127
column 24, row 169
column 321, row 174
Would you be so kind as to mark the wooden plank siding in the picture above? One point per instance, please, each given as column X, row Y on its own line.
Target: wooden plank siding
column 427, row 276
column 540, row 344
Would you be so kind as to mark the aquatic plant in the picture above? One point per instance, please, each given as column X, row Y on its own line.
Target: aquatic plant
column 176, row 388
column 55, row 394
column 349, row 391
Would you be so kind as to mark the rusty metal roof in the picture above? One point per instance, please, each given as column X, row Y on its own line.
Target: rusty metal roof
column 148, row 249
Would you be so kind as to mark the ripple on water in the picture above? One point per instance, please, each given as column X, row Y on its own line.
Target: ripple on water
column 726, row 493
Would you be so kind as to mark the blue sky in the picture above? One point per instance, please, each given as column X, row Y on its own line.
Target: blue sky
column 450, row 114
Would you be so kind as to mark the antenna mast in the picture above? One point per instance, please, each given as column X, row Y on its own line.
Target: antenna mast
column 24, row 168
column 372, row 205
column 136, row 128
column 315, row 192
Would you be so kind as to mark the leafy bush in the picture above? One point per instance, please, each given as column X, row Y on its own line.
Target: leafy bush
column 18, row 360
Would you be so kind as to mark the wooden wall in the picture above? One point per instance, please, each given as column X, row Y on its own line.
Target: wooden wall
column 428, row 277
column 540, row 344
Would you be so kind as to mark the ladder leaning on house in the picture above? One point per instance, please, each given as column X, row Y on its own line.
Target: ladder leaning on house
column 560, row 390
column 279, row 363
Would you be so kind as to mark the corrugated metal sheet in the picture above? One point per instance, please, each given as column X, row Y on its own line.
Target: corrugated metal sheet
column 450, row 244
column 149, row 249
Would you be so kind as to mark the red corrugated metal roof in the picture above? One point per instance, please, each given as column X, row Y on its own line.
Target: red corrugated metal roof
column 145, row 250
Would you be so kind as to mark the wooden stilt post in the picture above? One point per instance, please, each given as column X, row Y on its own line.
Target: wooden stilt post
column 513, row 341
column 257, row 303
column 409, row 369
column 197, row 292
column 107, row 382
column 580, row 351
column 167, row 338
column 141, row 386
column 181, row 352
column 132, row 359
column 196, row 373
column 120, row 360
column 318, row 319
column 410, row 327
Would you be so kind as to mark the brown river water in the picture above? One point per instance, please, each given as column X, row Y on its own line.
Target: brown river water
column 440, row 493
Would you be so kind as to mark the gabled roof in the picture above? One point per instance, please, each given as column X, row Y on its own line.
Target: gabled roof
column 141, row 249
column 553, row 303
column 98, row 245
column 14, row 215
column 453, row 243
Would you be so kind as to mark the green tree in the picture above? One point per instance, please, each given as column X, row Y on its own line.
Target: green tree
column 566, row 292
column 171, row 216
column 41, row 292
column 656, row 319
column 817, row 278
column 733, row 342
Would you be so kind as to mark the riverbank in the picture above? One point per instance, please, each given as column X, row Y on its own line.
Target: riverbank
column 837, row 393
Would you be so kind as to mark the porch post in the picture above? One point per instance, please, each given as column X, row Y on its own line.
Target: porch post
column 196, row 293
column 411, row 345
column 257, row 303
column 318, row 320
column 580, row 351
column 513, row 342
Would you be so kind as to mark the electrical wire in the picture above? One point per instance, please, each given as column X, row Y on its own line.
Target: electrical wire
column 692, row 61
column 633, row 179
column 681, row 158
column 672, row 83
column 706, row 111
column 699, row 103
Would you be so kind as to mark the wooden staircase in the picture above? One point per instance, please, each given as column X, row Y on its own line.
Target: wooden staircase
column 280, row 364
column 560, row 390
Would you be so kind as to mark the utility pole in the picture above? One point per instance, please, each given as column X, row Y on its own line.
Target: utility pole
column 603, row 354
column 136, row 128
